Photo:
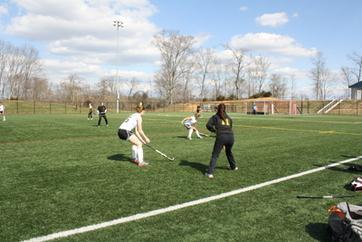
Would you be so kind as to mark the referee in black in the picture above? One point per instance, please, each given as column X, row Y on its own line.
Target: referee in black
column 102, row 110
column 221, row 124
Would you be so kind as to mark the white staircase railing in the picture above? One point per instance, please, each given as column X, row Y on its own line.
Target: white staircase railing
column 335, row 105
column 326, row 106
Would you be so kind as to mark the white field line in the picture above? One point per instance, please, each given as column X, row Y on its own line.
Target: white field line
column 180, row 206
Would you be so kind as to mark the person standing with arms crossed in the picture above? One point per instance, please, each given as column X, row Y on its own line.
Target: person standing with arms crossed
column 102, row 110
column 221, row 124
column 136, row 138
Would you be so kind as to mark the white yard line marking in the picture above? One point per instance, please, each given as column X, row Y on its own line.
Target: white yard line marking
column 183, row 205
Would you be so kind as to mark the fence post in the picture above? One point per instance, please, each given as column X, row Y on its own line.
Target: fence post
column 308, row 106
column 34, row 107
column 357, row 108
column 50, row 108
column 65, row 107
column 17, row 106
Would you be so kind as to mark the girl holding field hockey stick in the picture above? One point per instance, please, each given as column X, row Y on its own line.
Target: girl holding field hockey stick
column 136, row 138
column 221, row 124
column 190, row 123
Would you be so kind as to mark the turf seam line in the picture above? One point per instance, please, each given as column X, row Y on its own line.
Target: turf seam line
column 182, row 205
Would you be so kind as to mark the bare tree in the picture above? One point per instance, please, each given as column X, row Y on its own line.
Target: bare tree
column 17, row 67
column 205, row 58
column 277, row 85
column 238, row 68
column 3, row 63
column 106, row 88
column 260, row 71
column 357, row 69
column 40, row 88
column 175, row 52
column 347, row 78
column 320, row 75
column 220, row 77
column 132, row 86
column 31, row 69
column 70, row 89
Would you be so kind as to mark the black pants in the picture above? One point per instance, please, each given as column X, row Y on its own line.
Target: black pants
column 90, row 114
column 226, row 140
column 100, row 118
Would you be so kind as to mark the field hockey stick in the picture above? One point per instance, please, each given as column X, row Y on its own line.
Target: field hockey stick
column 163, row 154
column 203, row 134
column 325, row 196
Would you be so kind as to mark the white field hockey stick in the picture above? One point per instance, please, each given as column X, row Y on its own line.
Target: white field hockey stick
column 149, row 146
column 163, row 154
column 326, row 196
column 203, row 134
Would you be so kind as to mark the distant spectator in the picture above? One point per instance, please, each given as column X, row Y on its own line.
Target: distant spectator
column 102, row 110
column 2, row 111
column 255, row 108
column 90, row 112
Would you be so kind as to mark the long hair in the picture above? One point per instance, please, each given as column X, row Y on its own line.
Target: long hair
column 140, row 107
column 221, row 111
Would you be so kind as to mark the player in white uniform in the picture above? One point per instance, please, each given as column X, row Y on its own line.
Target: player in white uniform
column 2, row 111
column 137, row 138
column 189, row 123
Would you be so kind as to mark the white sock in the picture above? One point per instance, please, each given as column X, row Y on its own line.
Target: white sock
column 134, row 152
column 197, row 133
column 140, row 154
column 190, row 133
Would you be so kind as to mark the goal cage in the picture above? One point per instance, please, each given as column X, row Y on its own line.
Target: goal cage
column 261, row 107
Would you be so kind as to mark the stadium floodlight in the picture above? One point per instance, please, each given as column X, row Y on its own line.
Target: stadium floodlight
column 118, row 24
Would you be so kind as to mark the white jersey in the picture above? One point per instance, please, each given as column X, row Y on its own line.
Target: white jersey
column 190, row 121
column 2, row 108
column 131, row 123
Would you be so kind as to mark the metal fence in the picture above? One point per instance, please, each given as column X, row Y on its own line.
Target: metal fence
column 267, row 107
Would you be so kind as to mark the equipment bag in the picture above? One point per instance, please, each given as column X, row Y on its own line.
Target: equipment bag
column 345, row 222
column 356, row 184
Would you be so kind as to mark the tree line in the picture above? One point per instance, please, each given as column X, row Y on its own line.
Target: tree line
column 185, row 69
column 186, row 73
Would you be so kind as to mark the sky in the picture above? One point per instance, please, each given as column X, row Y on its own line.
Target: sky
column 78, row 36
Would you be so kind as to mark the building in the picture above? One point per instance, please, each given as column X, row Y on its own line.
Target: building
column 356, row 91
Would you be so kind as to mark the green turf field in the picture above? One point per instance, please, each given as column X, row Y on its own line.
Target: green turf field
column 60, row 172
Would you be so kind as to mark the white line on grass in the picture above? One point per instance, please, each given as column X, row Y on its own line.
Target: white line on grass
column 180, row 206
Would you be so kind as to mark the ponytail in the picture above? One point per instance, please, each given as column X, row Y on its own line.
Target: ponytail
column 221, row 111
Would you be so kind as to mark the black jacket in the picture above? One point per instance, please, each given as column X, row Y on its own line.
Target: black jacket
column 102, row 109
column 219, row 126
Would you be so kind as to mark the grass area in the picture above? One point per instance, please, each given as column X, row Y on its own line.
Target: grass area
column 60, row 172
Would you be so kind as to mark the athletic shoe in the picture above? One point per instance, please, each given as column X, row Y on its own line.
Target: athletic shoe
column 199, row 137
column 235, row 168
column 210, row 176
column 143, row 164
column 134, row 161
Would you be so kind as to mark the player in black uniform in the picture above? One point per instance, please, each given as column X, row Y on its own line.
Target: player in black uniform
column 221, row 124
column 102, row 110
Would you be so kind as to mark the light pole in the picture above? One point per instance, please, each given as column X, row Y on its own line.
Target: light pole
column 118, row 24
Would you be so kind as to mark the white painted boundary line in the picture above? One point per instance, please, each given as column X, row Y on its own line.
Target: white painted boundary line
column 183, row 205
